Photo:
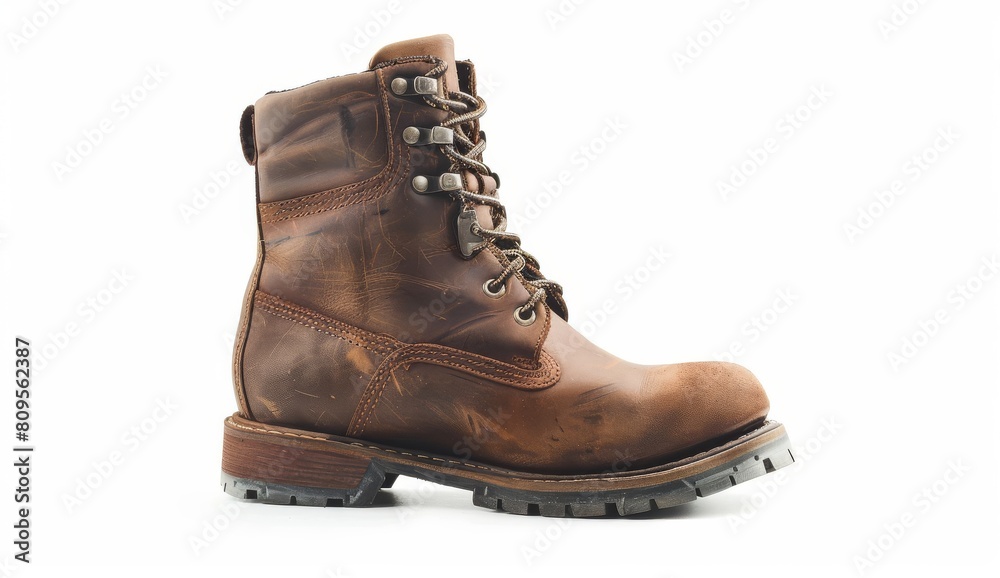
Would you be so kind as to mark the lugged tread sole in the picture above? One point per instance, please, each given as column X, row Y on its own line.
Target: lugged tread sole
column 283, row 466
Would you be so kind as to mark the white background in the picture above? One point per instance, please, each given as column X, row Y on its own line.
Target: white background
column 871, row 435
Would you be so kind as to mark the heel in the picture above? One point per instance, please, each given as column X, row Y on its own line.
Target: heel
column 276, row 466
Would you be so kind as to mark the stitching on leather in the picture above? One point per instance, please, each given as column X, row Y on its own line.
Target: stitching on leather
column 432, row 355
column 244, row 327
column 399, row 354
column 695, row 457
column 361, row 445
column 384, row 185
column 379, row 184
column 545, row 330
column 407, row 60
column 373, row 391
column 546, row 374
column 309, row 200
column 524, row 283
column 292, row 204
column 354, row 199
column 371, row 342
column 358, row 444
column 331, row 334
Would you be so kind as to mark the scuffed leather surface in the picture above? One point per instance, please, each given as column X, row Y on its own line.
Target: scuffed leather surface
column 367, row 321
column 342, row 371
column 603, row 415
column 297, row 376
column 583, row 411
column 317, row 135
column 439, row 46
column 387, row 259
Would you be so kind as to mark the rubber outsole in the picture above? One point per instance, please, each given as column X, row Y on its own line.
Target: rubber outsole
column 283, row 466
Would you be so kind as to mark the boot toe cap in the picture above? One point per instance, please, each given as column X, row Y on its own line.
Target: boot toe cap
column 699, row 402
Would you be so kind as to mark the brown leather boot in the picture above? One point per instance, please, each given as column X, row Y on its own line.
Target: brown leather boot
column 393, row 326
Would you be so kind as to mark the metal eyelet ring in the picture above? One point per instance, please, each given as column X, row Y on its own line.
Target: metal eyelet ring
column 494, row 294
column 436, row 135
column 399, row 85
column 429, row 184
column 420, row 85
column 521, row 320
column 411, row 135
column 420, row 183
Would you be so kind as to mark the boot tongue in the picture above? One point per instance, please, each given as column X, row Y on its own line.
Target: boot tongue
column 440, row 46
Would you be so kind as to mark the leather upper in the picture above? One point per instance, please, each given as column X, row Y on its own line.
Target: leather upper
column 365, row 320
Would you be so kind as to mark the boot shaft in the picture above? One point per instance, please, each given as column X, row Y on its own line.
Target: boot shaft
column 344, row 232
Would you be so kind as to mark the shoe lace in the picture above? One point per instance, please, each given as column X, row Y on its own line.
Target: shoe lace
column 466, row 153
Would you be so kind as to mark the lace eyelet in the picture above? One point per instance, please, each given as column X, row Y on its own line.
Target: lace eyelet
column 420, row 85
column 426, row 185
column 437, row 135
column 521, row 320
column 494, row 294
